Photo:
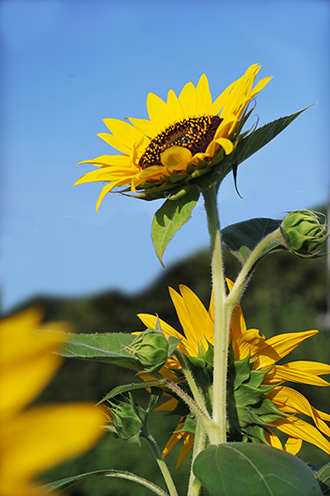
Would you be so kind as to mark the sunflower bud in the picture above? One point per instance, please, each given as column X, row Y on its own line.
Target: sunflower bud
column 127, row 420
column 303, row 233
column 151, row 349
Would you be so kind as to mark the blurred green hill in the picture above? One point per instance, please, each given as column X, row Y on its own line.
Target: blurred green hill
column 285, row 294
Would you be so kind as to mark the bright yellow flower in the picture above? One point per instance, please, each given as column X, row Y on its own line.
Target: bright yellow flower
column 34, row 440
column 184, row 138
column 198, row 327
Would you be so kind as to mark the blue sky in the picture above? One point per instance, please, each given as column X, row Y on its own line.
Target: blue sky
column 67, row 65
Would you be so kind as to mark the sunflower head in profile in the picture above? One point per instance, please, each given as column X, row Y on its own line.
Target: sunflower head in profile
column 261, row 407
column 187, row 140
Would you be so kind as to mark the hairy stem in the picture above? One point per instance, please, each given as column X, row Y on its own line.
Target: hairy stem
column 222, row 316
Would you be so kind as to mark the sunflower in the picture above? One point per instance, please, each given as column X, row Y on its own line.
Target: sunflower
column 185, row 138
column 35, row 439
column 263, row 354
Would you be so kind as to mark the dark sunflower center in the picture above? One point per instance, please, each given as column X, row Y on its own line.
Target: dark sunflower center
column 194, row 133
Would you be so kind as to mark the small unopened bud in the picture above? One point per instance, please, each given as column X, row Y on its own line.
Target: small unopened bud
column 303, row 233
column 127, row 420
column 151, row 349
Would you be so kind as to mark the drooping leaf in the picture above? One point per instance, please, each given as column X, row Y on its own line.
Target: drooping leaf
column 130, row 387
column 263, row 135
column 121, row 474
column 171, row 216
column 104, row 347
column 254, row 470
column 243, row 237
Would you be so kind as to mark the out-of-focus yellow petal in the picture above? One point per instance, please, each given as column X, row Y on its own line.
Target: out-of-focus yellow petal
column 27, row 361
column 176, row 436
column 46, row 436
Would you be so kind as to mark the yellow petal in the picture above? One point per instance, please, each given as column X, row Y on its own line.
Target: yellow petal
column 290, row 401
column 188, row 443
column 185, row 321
column 300, row 429
column 200, row 319
column 115, row 143
column 176, row 158
column 281, row 373
column 279, row 346
column 204, row 99
column 188, row 100
column 124, row 132
column 169, row 406
column 176, row 436
column 150, row 321
column 106, row 160
column 175, row 106
column 46, row 436
column 159, row 113
column 293, row 445
column 146, row 127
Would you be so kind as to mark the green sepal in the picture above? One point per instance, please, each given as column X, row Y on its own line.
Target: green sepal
column 127, row 420
column 189, row 425
column 253, row 470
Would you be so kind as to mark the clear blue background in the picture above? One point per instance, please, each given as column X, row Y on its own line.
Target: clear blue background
column 68, row 64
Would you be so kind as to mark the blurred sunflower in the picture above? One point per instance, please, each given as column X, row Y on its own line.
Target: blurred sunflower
column 185, row 138
column 262, row 356
column 35, row 439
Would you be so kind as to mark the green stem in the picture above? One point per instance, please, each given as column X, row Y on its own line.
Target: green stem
column 199, row 445
column 274, row 238
column 208, row 425
column 222, row 316
column 198, row 397
column 161, row 463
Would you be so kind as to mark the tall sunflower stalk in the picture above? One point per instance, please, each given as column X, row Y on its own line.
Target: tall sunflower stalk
column 222, row 378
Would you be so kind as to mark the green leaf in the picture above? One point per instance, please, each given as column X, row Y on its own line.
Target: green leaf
column 65, row 483
column 263, row 135
column 324, row 478
column 243, row 237
column 106, row 347
column 130, row 387
column 254, row 470
column 171, row 216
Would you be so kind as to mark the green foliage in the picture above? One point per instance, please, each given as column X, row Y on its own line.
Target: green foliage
column 171, row 216
column 259, row 138
column 267, row 471
column 241, row 238
column 324, row 478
